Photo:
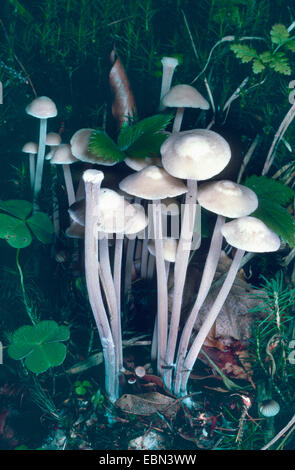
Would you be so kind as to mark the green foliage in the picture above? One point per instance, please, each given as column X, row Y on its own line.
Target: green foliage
column 277, row 61
column 97, row 399
column 40, row 345
column 18, row 227
column 272, row 196
column 82, row 387
column 140, row 140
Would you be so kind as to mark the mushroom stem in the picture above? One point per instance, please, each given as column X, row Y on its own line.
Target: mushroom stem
column 162, row 291
column 180, row 268
column 129, row 265
column 210, row 319
column 40, row 160
column 169, row 65
column 178, row 120
column 32, row 169
column 69, row 184
column 206, row 282
column 154, row 341
column 92, row 179
column 115, row 318
column 144, row 256
column 117, row 283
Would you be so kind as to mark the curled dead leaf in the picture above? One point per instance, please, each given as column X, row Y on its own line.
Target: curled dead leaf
column 147, row 404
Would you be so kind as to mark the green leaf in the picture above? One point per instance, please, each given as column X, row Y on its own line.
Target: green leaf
column 105, row 148
column 290, row 45
column 14, row 231
column 41, row 226
column 151, row 125
column 277, row 218
column 257, row 66
column 264, row 187
column 45, row 356
column 17, row 207
column 280, row 63
column 279, row 34
column 243, row 52
column 40, row 345
column 148, row 145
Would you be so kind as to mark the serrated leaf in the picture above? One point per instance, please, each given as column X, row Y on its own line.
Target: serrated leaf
column 264, row 187
column 290, row 45
column 266, row 57
column 151, row 125
column 280, row 63
column 279, row 34
column 257, row 66
column 105, row 148
column 243, row 52
column 41, row 226
column 148, row 145
column 17, row 207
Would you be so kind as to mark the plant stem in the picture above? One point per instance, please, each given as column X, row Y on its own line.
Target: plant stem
column 25, row 298
column 40, row 161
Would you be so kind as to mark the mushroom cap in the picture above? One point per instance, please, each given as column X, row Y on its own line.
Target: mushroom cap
column 80, row 148
column 53, row 139
column 197, row 154
column 184, row 96
column 169, row 249
column 250, row 234
column 227, row 198
column 169, row 61
column 42, row 108
column 152, row 183
column 269, row 408
column 117, row 215
column 30, row 147
column 140, row 371
column 138, row 164
column 77, row 211
column 62, row 155
column 75, row 230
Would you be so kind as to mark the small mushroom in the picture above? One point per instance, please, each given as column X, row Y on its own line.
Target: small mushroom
column 52, row 140
column 269, row 408
column 62, row 155
column 246, row 234
column 181, row 97
column 32, row 149
column 169, row 65
column 42, row 108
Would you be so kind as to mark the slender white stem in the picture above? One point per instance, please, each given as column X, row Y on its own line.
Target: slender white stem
column 144, row 256
column 69, row 184
column 169, row 65
column 129, row 266
column 155, row 341
column 180, row 269
column 162, row 291
column 32, row 169
column 115, row 318
column 40, row 161
column 178, row 120
column 92, row 187
column 206, row 282
column 117, row 282
column 210, row 319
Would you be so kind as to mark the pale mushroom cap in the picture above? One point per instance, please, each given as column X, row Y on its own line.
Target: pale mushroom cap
column 269, row 408
column 80, row 143
column 75, row 230
column 140, row 371
column 250, row 234
column 138, row 164
column 169, row 249
column 30, row 147
column 227, row 198
column 184, row 96
column 198, row 154
column 42, row 108
column 52, row 139
column 77, row 211
column 152, row 183
column 169, row 61
column 117, row 215
column 62, row 155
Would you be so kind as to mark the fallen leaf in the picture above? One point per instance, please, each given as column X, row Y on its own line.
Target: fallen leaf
column 147, row 404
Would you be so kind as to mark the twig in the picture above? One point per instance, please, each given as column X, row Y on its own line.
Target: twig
column 247, row 157
column 280, row 434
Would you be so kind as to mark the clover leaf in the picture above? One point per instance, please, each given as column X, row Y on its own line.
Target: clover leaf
column 17, row 227
column 40, row 345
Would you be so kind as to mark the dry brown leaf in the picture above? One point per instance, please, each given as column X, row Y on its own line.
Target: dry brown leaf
column 123, row 107
column 146, row 404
